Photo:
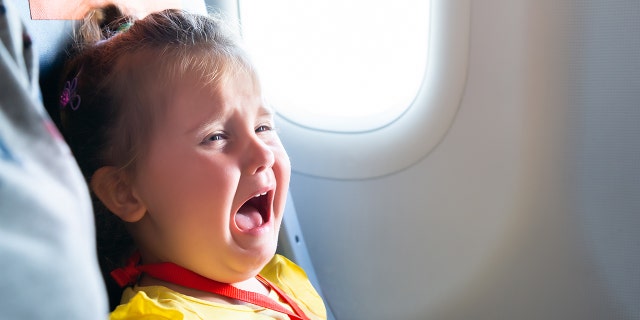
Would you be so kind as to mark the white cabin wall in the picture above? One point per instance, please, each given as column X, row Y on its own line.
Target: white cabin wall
column 485, row 226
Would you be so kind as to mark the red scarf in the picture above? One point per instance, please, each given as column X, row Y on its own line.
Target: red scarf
column 176, row 274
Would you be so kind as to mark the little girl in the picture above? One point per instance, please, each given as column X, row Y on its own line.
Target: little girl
column 166, row 118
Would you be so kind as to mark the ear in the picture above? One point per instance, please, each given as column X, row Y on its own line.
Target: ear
column 113, row 188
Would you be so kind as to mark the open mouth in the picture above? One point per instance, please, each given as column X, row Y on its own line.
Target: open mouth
column 253, row 213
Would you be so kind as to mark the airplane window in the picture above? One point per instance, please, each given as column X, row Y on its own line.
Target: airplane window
column 344, row 66
column 361, row 88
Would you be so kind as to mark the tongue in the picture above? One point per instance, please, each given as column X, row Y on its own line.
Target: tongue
column 248, row 217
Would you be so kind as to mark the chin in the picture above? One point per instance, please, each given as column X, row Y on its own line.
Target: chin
column 255, row 260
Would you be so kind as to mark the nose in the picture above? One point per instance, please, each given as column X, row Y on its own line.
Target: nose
column 259, row 156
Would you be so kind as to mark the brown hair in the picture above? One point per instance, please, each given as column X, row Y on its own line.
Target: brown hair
column 124, row 69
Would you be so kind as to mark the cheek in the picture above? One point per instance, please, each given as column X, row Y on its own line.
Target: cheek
column 204, row 183
column 282, row 165
column 280, row 153
column 282, row 171
column 180, row 185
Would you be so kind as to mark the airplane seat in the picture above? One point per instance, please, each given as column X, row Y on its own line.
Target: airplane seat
column 46, row 229
column 51, row 39
column 291, row 244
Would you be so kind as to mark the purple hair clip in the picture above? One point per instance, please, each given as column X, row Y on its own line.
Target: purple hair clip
column 69, row 95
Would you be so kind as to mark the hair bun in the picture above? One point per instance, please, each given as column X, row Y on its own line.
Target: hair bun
column 101, row 24
column 110, row 18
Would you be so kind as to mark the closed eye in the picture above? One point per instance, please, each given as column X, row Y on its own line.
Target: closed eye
column 215, row 137
column 263, row 128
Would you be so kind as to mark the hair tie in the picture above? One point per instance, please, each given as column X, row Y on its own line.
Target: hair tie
column 69, row 95
column 110, row 34
column 124, row 27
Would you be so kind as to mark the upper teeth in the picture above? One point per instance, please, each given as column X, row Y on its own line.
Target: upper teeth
column 260, row 194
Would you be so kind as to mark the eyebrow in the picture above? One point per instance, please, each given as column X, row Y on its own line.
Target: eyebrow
column 212, row 118
column 266, row 111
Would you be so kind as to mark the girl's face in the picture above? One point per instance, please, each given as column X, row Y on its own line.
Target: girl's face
column 214, row 181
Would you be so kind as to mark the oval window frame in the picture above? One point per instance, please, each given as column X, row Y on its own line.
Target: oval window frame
column 410, row 137
column 367, row 94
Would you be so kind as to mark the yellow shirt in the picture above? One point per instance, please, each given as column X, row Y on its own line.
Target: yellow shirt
column 157, row 302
